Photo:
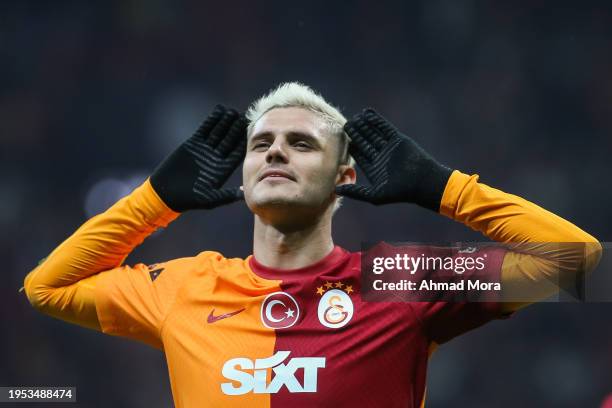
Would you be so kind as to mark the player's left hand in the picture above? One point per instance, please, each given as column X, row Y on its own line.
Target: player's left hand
column 398, row 169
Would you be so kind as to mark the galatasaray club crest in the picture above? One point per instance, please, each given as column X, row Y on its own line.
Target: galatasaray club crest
column 279, row 310
column 335, row 306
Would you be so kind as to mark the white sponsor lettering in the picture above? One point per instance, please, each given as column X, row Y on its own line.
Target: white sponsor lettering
column 284, row 374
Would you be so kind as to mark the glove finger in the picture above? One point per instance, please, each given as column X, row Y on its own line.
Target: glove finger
column 359, row 146
column 356, row 192
column 210, row 122
column 360, row 159
column 234, row 136
column 236, row 156
column 219, row 131
column 385, row 128
column 371, row 134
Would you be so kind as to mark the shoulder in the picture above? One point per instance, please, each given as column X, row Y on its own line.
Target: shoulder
column 205, row 267
column 203, row 261
column 214, row 257
column 215, row 262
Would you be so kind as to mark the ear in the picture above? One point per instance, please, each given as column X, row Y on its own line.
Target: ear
column 346, row 175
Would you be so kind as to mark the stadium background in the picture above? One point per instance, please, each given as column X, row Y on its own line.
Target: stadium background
column 93, row 96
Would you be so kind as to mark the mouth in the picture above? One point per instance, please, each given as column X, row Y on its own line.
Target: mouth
column 276, row 174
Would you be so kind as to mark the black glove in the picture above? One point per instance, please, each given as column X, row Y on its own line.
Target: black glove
column 192, row 176
column 398, row 169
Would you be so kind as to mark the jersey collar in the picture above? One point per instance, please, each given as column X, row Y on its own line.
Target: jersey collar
column 327, row 263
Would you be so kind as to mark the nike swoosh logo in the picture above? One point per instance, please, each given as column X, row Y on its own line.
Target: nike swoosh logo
column 212, row 318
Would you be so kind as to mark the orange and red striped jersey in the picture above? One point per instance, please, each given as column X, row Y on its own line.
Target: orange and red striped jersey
column 237, row 333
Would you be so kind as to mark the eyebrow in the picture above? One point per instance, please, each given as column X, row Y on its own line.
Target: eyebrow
column 290, row 135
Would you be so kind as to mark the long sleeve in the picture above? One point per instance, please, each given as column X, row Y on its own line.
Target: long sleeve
column 538, row 262
column 63, row 285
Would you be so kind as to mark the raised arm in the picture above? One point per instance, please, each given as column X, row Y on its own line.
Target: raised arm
column 399, row 170
column 64, row 284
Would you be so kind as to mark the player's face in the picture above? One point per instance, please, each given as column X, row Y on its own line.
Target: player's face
column 291, row 162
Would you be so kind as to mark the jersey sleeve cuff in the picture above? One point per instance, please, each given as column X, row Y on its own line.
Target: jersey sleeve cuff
column 457, row 183
column 151, row 207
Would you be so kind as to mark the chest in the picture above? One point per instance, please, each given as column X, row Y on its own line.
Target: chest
column 318, row 337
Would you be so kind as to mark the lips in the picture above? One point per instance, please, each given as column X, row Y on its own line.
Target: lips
column 276, row 173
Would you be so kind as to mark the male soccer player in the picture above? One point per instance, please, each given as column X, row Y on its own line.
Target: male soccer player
column 287, row 325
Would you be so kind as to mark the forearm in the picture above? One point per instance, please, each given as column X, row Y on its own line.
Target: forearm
column 538, row 262
column 59, row 285
column 504, row 217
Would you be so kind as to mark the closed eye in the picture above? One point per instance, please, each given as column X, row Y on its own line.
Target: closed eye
column 260, row 146
column 302, row 146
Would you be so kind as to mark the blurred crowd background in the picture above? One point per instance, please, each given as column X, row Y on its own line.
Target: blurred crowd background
column 93, row 95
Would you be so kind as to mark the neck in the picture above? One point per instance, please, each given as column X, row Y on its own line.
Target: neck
column 282, row 247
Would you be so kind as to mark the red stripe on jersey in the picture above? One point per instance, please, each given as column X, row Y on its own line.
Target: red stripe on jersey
column 378, row 357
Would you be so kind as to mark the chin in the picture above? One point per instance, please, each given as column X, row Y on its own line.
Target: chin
column 287, row 206
column 277, row 202
column 260, row 201
column 266, row 202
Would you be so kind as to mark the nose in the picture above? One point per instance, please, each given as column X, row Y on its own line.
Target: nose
column 276, row 152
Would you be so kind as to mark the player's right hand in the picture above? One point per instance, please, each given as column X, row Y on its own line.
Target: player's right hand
column 192, row 176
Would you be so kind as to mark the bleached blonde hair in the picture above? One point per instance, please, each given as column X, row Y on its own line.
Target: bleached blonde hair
column 298, row 95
